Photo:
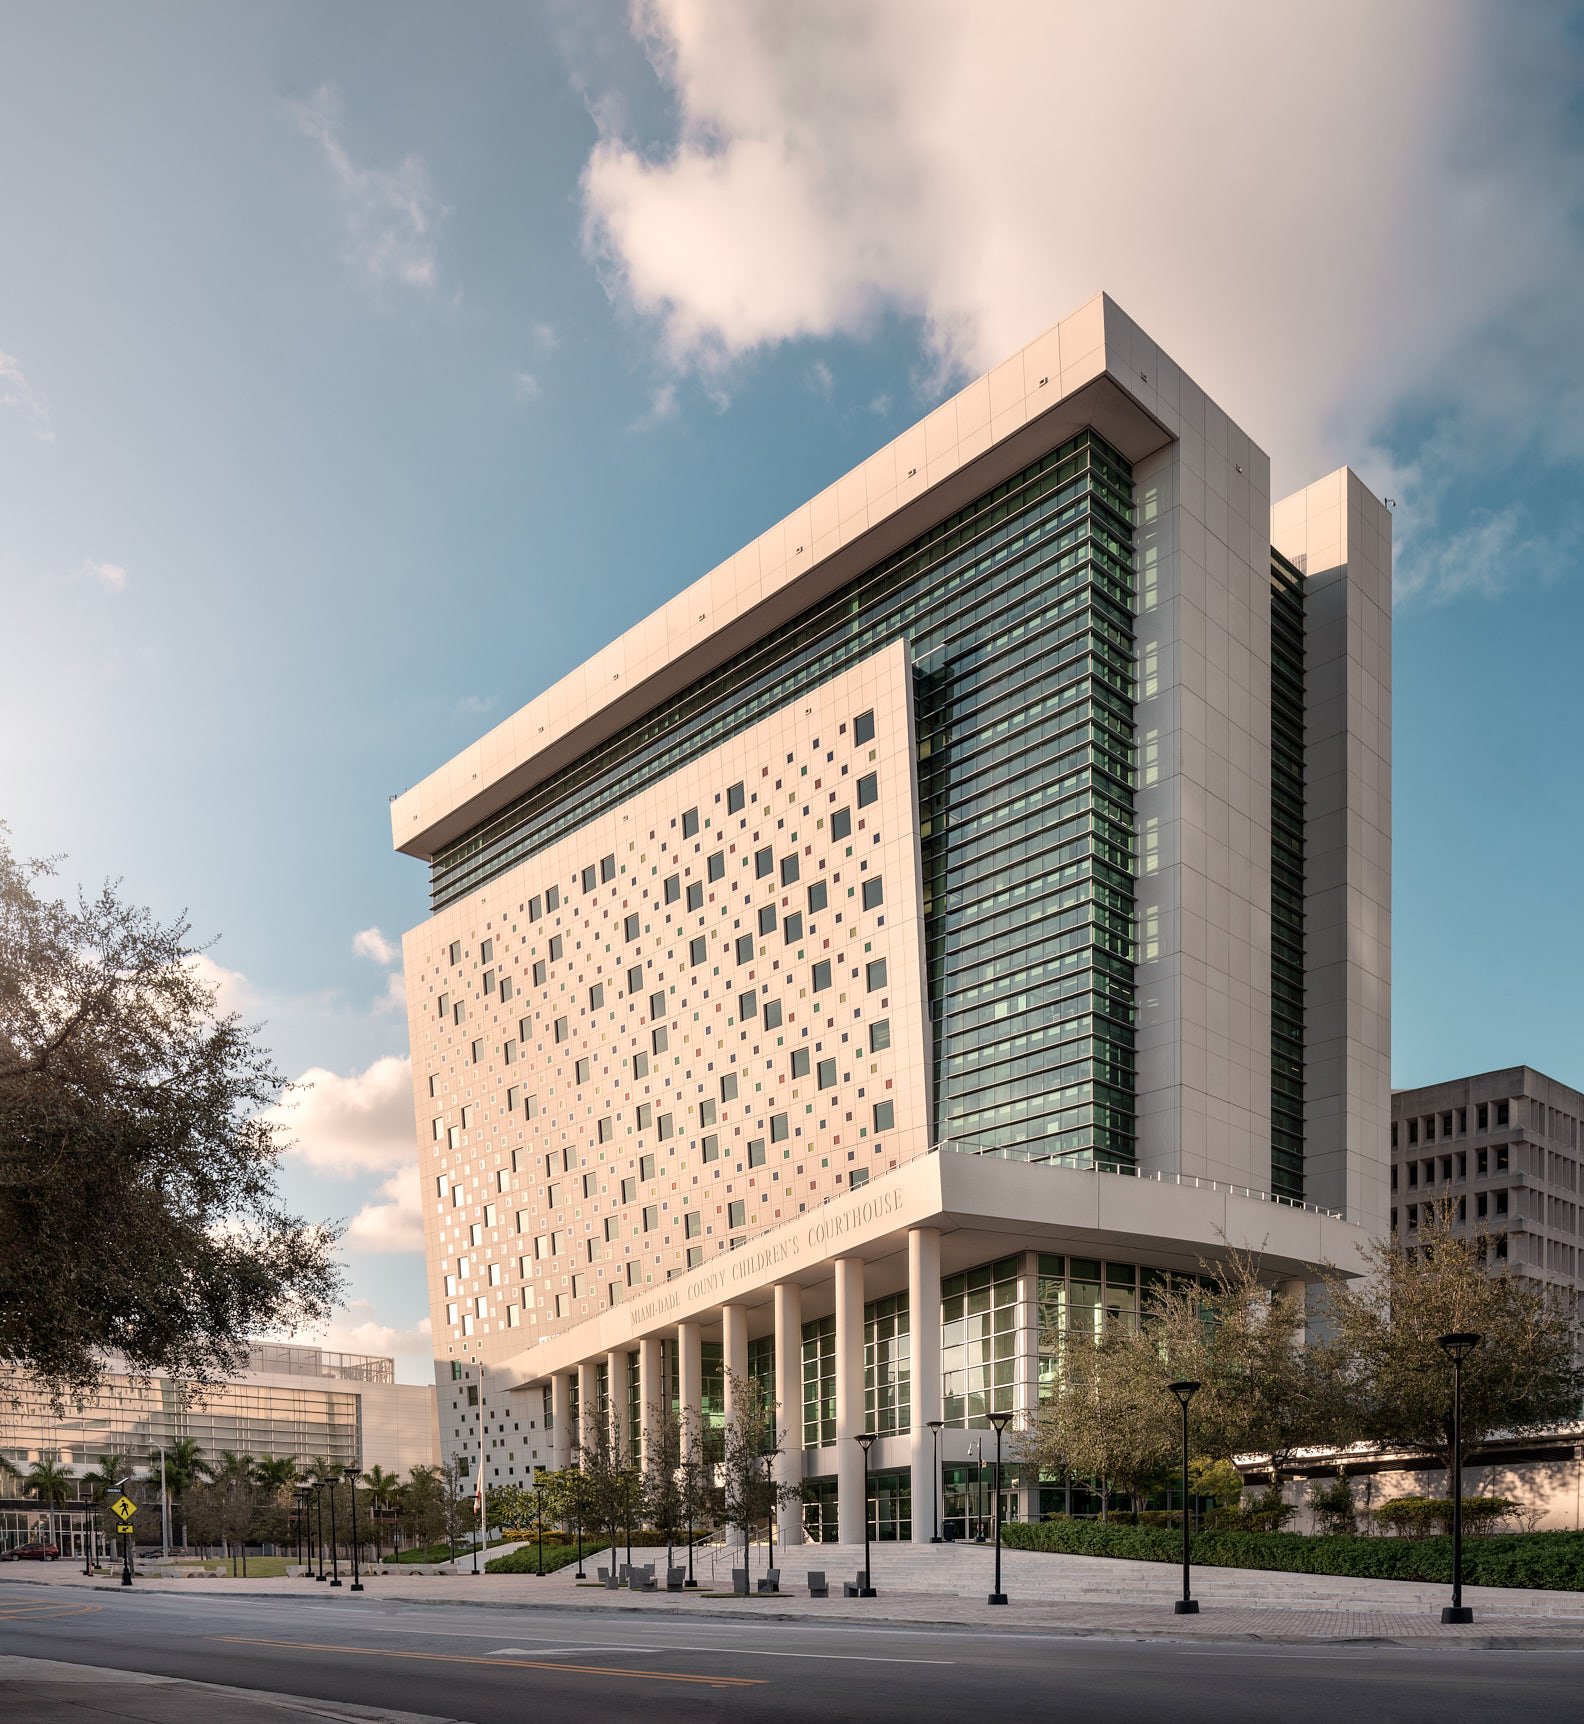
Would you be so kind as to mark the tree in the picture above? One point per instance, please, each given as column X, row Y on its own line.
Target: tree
column 50, row 1482
column 662, row 1478
column 1522, row 1377
column 1111, row 1418
column 422, row 1507
column 609, row 1487
column 184, row 1466
column 749, row 1490
column 382, row 1487
column 137, row 1159
column 236, row 1492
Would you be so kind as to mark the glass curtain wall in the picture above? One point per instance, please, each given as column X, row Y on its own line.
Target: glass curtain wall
column 887, row 1366
column 819, row 1383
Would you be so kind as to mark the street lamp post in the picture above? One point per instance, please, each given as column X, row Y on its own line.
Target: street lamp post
column 335, row 1560
column 126, row 1543
column 318, row 1491
column 935, row 1426
column 305, row 1528
column 690, row 1584
column 770, row 1498
column 1187, row 1605
column 1457, row 1348
column 999, row 1421
column 538, row 1491
column 351, row 1473
column 978, row 1492
column 577, row 1523
column 866, row 1440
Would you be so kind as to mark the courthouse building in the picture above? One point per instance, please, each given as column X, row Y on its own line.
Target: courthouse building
column 963, row 907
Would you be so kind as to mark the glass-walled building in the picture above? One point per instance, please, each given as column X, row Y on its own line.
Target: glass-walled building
column 963, row 906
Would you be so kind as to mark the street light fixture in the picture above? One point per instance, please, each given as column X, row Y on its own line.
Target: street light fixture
column 935, row 1426
column 1457, row 1348
column 1185, row 1391
column 351, row 1475
column 866, row 1441
column 999, row 1421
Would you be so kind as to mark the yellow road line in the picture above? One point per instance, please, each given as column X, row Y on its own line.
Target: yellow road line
column 40, row 1612
column 501, row 1663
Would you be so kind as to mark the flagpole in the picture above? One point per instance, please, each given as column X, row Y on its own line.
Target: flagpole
column 478, row 1494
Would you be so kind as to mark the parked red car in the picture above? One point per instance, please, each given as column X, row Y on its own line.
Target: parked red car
column 31, row 1553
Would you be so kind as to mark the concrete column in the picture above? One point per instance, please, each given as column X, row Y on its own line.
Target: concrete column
column 734, row 1327
column 616, row 1372
column 561, row 1417
column 850, row 1504
column 690, row 1362
column 1297, row 1289
column 789, row 1414
column 651, row 1390
column 587, row 1393
column 924, row 1398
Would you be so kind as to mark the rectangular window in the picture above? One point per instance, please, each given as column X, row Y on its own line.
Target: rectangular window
column 756, row 1153
column 1501, row 1113
column 698, row 951
column 458, row 1012
column 646, row 1167
column 764, row 862
column 789, row 870
column 779, row 1129
column 841, row 823
column 690, row 823
column 629, row 1190
column 591, row 1185
column 562, row 1029
column 657, row 1005
column 745, row 948
column 456, row 951
column 767, row 919
column 666, row 1126
column 875, row 974
column 552, row 898
column 489, row 982
column 612, row 1228
column 873, row 893
column 596, row 996
column 651, row 1218
column 508, row 1052
column 557, row 947
column 659, row 1040
column 715, row 867
column 879, row 1035
column 728, row 1087
column 581, row 1071
column 711, row 1147
column 444, row 1004
column 506, row 989
column 747, row 1005
column 695, row 895
column 673, row 888
column 827, row 1074
column 868, row 789
column 863, row 727
column 478, row 1053
column 818, row 897
column 645, row 1115
column 541, row 973
column 792, row 927
column 822, row 975
column 590, row 878
column 695, row 1256
column 736, row 799
column 607, row 867
column 800, row 1062
column 772, row 1014
column 706, row 1110
column 692, row 1224
column 640, row 1065
column 631, row 927
column 737, row 1213
column 884, row 1115
column 535, row 908
column 605, row 1130
column 635, row 979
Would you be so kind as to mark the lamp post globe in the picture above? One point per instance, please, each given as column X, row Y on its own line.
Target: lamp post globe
column 351, row 1476
column 935, row 1427
column 866, row 1441
column 999, row 1422
column 1457, row 1348
column 1184, row 1391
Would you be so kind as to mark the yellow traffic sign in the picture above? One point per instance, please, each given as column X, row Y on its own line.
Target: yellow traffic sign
column 123, row 1508
column 124, row 1526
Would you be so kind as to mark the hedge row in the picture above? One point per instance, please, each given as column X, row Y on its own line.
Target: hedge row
column 526, row 1560
column 1553, row 1560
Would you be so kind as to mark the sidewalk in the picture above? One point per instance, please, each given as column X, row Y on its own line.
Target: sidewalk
column 46, row 1692
column 1049, row 1594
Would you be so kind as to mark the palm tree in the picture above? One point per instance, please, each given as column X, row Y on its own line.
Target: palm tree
column 50, row 1482
column 275, row 1477
column 98, row 1482
column 185, row 1465
column 382, row 1486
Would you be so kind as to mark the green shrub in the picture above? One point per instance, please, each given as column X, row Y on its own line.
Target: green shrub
column 1420, row 1517
column 1553, row 1560
column 1333, row 1505
column 525, row 1560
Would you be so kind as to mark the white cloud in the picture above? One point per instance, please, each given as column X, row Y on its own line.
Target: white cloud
column 231, row 989
column 358, row 1328
column 544, row 338
column 1330, row 213
column 370, row 943
column 395, row 1222
column 360, row 1123
column 392, row 214
column 821, row 380
column 526, row 387
column 475, row 705
column 111, row 576
column 17, row 395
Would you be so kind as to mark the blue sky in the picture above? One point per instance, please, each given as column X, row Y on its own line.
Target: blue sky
column 362, row 368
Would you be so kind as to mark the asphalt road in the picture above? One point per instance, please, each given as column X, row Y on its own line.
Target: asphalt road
column 459, row 1661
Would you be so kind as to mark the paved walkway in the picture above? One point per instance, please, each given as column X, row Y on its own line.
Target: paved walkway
column 1055, row 1594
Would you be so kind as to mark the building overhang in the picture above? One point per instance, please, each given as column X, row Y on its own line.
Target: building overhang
column 983, row 1207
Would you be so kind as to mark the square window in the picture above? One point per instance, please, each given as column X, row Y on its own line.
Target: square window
column 879, row 1035
column 875, row 974
column 789, row 870
column 822, row 975
column 873, row 893
column 841, row 823
column 863, row 727
column 868, row 789
column 736, row 797
column 884, row 1115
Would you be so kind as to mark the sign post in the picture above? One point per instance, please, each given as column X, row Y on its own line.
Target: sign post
column 124, row 1509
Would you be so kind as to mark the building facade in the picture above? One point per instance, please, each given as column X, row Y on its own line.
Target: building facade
column 292, row 1401
column 966, row 904
column 1502, row 1149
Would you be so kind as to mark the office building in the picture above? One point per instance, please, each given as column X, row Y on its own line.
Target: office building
column 965, row 905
